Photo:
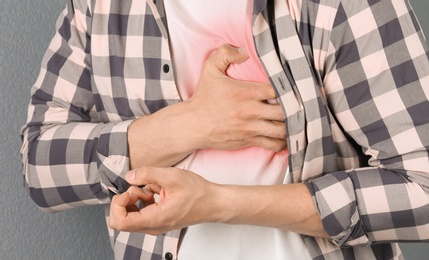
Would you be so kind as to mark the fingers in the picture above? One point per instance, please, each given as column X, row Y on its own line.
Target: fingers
column 260, row 91
column 118, row 209
column 273, row 136
column 226, row 55
column 125, row 216
column 264, row 111
column 145, row 175
column 271, row 144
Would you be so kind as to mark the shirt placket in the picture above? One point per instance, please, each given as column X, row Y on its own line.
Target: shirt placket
column 167, row 79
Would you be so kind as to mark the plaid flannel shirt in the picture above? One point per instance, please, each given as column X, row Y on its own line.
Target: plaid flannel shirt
column 352, row 77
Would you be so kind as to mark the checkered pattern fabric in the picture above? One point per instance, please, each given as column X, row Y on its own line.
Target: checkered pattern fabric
column 352, row 77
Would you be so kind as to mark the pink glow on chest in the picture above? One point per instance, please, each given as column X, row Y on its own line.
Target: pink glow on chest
column 197, row 29
column 196, row 33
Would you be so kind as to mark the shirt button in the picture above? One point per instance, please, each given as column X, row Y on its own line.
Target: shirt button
column 169, row 256
column 166, row 68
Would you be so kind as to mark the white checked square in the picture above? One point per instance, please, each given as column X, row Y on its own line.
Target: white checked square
column 102, row 7
column 375, row 200
column 272, row 59
column 169, row 89
column 362, row 23
column 56, row 42
column 57, row 114
column 113, row 117
column 423, row 231
column 293, row 51
column 319, row 59
column 400, row 8
column 148, row 243
column 374, row 64
column 332, row 82
column 100, row 45
column 417, row 196
column 65, row 91
column 313, row 165
column 292, row 103
column 348, row 121
column 135, row 88
column 389, row 103
column 77, row 57
column 137, row 7
column 74, row 177
column 336, row 196
column 417, row 164
column 123, row 237
column 316, row 133
column 386, row 235
column 44, row 176
column 308, row 85
column 284, row 10
column 49, row 134
column 325, row 21
column 415, row 47
column 79, row 21
column 337, row 133
column 260, row 25
column 134, row 47
column 425, row 85
column 407, row 141
column 104, row 85
column 82, row 131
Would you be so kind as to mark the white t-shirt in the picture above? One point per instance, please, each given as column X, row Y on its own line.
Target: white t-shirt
column 197, row 28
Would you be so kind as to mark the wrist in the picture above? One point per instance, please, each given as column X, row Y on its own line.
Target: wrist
column 224, row 204
column 161, row 139
column 195, row 134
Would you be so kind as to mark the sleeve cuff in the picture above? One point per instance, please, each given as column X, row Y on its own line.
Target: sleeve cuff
column 113, row 156
column 335, row 200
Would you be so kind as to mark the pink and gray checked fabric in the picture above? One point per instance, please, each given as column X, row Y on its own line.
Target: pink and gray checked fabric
column 352, row 76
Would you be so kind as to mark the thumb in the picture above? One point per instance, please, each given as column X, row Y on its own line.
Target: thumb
column 122, row 200
column 226, row 55
column 146, row 175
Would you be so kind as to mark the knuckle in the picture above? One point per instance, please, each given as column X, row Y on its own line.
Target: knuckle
column 224, row 48
column 236, row 114
column 114, row 199
column 121, row 226
column 282, row 146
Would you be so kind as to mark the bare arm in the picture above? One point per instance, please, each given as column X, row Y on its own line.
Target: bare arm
column 223, row 114
column 187, row 199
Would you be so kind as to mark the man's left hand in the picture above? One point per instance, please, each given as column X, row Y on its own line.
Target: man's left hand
column 184, row 199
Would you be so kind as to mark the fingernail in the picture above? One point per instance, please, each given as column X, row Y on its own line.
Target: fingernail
column 242, row 51
column 132, row 195
column 131, row 175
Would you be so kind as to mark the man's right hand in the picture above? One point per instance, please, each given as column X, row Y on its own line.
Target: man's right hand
column 229, row 114
column 223, row 113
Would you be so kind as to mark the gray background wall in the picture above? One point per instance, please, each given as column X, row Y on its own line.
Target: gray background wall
column 26, row 233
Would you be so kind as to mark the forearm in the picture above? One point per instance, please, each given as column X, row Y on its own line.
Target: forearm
column 162, row 139
column 223, row 114
column 287, row 207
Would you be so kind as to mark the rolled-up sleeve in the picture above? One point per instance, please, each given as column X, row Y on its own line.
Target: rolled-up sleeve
column 69, row 157
column 368, row 206
column 377, row 85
